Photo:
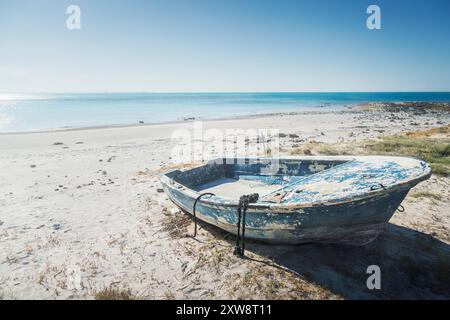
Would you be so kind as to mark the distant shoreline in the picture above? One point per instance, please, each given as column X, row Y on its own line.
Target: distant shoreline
column 132, row 125
column 360, row 107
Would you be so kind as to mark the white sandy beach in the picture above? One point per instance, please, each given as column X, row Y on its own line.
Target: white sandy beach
column 80, row 211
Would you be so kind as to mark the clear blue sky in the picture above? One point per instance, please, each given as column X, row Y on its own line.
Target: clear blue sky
column 224, row 45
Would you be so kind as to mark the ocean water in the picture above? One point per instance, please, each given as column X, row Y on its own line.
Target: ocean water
column 34, row 112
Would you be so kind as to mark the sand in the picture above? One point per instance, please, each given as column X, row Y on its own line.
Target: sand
column 81, row 211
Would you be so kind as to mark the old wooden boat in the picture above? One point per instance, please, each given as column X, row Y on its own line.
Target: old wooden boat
column 301, row 199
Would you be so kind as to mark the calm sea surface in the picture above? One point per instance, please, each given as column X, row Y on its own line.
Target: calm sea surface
column 29, row 112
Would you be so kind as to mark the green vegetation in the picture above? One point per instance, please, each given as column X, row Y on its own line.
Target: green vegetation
column 435, row 151
column 419, row 144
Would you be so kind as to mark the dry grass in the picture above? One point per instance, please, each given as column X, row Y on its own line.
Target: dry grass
column 435, row 132
column 435, row 151
column 425, row 194
column 268, row 283
column 321, row 148
column 53, row 240
column 111, row 293
column 169, row 295
column 421, row 144
column 176, row 225
column 252, row 278
column 179, row 166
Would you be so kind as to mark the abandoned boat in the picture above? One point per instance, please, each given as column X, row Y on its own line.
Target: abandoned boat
column 297, row 200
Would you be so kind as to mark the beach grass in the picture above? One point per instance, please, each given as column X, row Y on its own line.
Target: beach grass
column 426, row 194
column 435, row 151
column 432, row 146
column 176, row 224
column 111, row 293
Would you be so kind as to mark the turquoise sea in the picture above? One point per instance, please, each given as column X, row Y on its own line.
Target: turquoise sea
column 31, row 112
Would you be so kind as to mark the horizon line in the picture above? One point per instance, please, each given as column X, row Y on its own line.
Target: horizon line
column 209, row 92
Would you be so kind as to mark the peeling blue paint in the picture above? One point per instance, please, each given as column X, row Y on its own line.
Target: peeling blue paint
column 328, row 199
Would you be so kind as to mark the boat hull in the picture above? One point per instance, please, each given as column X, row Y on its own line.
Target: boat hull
column 358, row 222
column 307, row 199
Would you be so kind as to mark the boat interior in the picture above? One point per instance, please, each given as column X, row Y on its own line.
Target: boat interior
column 231, row 178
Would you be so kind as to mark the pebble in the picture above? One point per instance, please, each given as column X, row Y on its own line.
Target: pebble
column 160, row 190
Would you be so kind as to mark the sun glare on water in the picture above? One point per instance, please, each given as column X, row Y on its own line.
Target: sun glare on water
column 18, row 96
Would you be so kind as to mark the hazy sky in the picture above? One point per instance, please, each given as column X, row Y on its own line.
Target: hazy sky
column 224, row 45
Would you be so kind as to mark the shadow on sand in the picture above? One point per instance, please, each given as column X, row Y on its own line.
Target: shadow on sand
column 413, row 265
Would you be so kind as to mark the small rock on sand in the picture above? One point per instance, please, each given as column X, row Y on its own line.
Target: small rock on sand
column 33, row 166
column 160, row 190
column 58, row 143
